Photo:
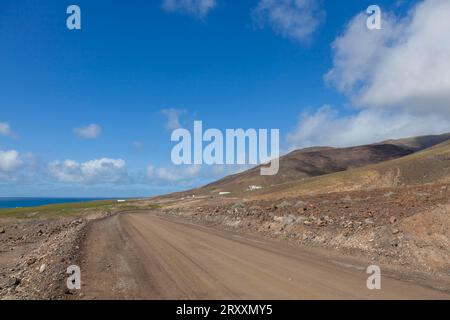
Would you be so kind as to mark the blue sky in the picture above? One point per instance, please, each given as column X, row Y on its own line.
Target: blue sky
column 231, row 65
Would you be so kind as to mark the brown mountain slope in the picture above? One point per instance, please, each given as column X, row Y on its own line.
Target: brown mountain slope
column 431, row 165
column 301, row 165
column 419, row 143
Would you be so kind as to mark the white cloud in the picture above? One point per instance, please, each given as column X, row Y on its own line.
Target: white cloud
column 91, row 131
column 293, row 19
column 196, row 8
column 9, row 161
column 174, row 174
column 326, row 127
column 91, row 172
column 398, row 77
column 5, row 129
column 173, row 117
column 404, row 65
column 190, row 176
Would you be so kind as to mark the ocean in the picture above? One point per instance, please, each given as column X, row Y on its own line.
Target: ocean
column 35, row 202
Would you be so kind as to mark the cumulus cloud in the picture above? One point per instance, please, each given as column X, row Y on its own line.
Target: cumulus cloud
column 188, row 176
column 196, row 8
column 326, row 127
column 174, row 174
column 404, row 65
column 9, row 161
column 397, row 78
column 5, row 129
column 97, row 171
column 173, row 117
column 91, row 131
column 293, row 19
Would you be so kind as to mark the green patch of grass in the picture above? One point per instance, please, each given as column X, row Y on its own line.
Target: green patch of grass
column 73, row 209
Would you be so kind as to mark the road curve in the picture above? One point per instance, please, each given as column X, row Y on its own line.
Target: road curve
column 144, row 256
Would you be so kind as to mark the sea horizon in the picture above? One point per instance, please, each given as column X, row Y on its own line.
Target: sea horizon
column 25, row 202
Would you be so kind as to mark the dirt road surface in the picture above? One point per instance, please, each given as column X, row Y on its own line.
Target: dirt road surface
column 144, row 256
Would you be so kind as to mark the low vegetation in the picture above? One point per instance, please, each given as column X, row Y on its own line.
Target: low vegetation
column 74, row 209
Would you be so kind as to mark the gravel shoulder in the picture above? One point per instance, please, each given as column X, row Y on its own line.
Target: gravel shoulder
column 35, row 256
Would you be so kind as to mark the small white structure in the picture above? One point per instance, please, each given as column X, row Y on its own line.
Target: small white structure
column 223, row 193
column 254, row 188
column 120, row 201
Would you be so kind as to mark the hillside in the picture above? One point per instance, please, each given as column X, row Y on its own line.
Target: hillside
column 325, row 167
column 419, row 143
column 431, row 165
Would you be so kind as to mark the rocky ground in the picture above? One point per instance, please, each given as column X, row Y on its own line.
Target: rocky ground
column 407, row 227
column 35, row 256
column 37, row 245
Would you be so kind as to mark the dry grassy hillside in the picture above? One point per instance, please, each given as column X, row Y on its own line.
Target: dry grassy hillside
column 325, row 169
column 311, row 162
column 431, row 165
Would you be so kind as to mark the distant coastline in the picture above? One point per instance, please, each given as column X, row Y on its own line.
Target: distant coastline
column 25, row 202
